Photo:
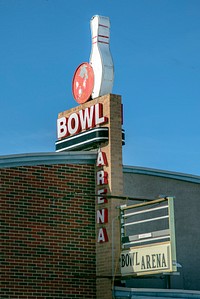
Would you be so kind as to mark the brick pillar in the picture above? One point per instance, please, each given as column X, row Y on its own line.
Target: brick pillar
column 113, row 149
column 108, row 252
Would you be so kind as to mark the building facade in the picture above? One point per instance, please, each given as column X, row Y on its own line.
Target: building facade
column 186, row 192
column 60, row 216
column 48, row 226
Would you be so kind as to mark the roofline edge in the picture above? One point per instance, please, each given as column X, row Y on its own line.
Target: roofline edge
column 162, row 173
column 47, row 158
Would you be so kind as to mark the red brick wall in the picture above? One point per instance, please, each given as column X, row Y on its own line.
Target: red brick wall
column 48, row 232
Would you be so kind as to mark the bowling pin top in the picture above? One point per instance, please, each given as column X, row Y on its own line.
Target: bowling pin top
column 100, row 58
column 96, row 78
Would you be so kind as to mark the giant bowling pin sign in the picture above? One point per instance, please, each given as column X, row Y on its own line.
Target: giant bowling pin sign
column 100, row 58
column 96, row 78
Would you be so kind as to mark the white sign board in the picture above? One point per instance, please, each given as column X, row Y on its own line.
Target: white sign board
column 149, row 259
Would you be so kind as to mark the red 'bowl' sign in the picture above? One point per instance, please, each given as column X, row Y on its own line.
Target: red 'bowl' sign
column 83, row 83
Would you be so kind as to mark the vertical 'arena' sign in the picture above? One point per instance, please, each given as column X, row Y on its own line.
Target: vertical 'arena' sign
column 102, row 183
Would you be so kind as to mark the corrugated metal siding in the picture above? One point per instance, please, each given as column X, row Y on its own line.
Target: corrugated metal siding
column 124, row 293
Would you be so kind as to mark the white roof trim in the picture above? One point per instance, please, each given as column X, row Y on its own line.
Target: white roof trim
column 31, row 159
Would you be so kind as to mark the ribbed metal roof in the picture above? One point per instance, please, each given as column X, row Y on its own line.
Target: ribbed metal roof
column 132, row 293
column 86, row 157
column 162, row 173
column 48, row 159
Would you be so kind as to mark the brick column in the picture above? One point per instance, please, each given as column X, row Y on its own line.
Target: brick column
column 108, row 252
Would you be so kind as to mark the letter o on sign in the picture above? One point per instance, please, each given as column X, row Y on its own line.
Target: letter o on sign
column 73, row 124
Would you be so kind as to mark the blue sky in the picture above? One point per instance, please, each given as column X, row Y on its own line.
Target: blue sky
column 156, row 51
